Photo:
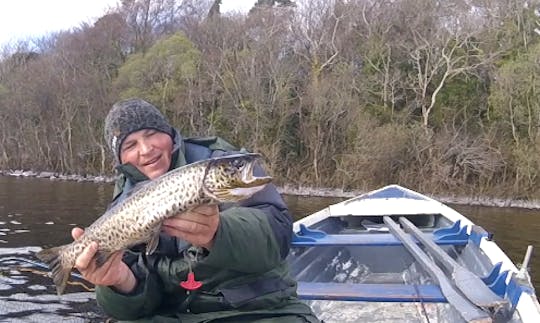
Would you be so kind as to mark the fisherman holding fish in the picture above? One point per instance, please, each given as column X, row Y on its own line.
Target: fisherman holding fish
column 208, row 262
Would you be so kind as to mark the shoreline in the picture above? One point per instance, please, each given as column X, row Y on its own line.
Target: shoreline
column 457, row 200
column 293, row 190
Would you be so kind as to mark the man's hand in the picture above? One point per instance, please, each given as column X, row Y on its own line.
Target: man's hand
column 197, row 226
column 113, row 273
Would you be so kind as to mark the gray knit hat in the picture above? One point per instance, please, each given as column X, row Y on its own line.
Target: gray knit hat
column 128, row 116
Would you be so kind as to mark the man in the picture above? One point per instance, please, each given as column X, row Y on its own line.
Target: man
column 236, row 252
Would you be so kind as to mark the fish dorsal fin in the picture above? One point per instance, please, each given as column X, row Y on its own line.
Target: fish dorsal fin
column 152, row 245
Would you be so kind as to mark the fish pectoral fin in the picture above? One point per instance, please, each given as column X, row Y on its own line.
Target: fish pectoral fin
column 152, row 245
column 101, row 257
column 222, row 194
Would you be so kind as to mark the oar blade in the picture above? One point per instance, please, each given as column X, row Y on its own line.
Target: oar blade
column 463, row 306
column 477, row 291
column 472, row 286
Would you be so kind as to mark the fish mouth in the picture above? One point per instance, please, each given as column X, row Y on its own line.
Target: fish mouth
column 247, row 185
column 249, row 180
column 240, row 182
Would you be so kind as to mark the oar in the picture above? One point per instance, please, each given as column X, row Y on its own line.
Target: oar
column 466, row 309
column 466, row 281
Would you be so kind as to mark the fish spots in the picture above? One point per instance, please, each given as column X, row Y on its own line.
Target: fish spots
column 134, row 219
column 78, row 248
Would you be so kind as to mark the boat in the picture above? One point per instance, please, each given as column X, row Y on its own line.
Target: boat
column 396, row 255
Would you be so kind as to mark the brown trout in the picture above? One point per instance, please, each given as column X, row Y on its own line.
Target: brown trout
column 137, row 219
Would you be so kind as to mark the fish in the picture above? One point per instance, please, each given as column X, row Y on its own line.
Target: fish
column 137, row 219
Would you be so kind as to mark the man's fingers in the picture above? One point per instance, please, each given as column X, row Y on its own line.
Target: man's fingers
column 84, row 259
column 112, row 261
column 202, row 215
column 117, row 256
column 197, row 226
column 76, row 233
column 184, row 225
column 206, row 209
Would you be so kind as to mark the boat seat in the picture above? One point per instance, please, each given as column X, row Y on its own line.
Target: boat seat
column 308, row 237
column 370, row 292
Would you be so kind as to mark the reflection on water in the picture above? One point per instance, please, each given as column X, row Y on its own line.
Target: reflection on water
column 24, row 296
column 37, row 213
column 41, row 212
column 300, row 206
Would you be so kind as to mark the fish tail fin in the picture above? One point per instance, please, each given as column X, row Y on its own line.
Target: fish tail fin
column 60, row 272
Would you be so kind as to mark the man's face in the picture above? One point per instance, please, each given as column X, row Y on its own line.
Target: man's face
column 149, row 150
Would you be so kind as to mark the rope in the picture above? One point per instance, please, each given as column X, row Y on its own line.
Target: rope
column 46, row 274
column 414, row 277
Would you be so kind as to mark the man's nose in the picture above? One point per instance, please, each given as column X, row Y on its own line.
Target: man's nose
column 146, row 146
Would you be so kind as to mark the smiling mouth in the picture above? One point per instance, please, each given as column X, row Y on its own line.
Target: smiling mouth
column 152, row 161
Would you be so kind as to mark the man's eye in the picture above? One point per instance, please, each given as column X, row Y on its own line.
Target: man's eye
column 128, row 146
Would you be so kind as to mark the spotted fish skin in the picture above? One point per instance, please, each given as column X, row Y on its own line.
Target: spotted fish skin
column 138, row 218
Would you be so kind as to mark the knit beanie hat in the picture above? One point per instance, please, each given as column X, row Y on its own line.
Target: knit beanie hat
column 128, row 116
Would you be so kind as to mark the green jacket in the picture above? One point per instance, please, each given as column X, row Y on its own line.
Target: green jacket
column 245, row 276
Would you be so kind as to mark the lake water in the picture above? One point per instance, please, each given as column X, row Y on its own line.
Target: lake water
column 40, row 212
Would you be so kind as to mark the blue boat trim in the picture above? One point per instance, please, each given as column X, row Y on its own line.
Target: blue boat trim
column 477, row 233
column 514, row 291
column 499, row 286
column 370, row 292
column 460, row 235
column 308, row 237
column 494, row 273
column 448, row 230
column 390, row 192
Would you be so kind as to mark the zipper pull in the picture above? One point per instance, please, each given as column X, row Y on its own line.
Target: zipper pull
column 191, row 283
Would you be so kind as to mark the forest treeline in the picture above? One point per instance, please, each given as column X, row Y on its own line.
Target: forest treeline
column 439, row 96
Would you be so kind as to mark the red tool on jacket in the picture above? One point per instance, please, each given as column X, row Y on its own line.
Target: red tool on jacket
column 191, row 283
